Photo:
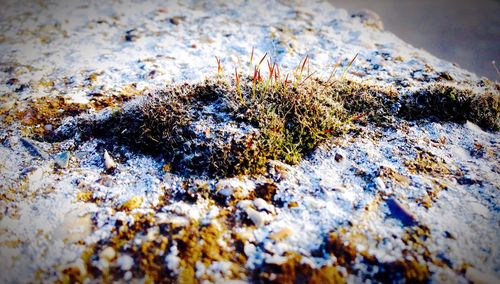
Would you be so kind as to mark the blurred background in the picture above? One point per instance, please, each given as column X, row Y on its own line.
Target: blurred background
column 466, row 32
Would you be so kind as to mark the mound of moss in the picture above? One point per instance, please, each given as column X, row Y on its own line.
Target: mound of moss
column 221, row 129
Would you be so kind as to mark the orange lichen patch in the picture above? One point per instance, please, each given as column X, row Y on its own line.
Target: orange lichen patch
column 431, row 195
column 427, row 163
column 42, row 115
column 10, row 243
column 281, row 234
column 47, row 111
column 148, row 241
column 84, row 196
column 390, row 173
column 293, row 271
column 133, row 203
column 411, row 267
column 200, row 243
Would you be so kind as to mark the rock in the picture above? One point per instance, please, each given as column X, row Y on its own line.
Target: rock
column 33, row 148
column 125, row 262
column 131, row 35
column 279, row 170
column 109, row 163
column 176, row 20
column 379, row 183
column 338, row 157
column 400, row 212
column 369, row 18
column 234, row 188
column 255, row 216
column 260, row 204
column 62, row 159
column 107, row 254
column 48, row 127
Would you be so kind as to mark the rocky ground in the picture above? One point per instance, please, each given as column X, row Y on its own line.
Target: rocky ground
column 127, row 153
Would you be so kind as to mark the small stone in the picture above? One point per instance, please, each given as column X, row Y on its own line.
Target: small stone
column 107, row 254
column 281, row 234
column 106, row 181
column 132, row 203
column 293, row 204
column 131, row 35
column 400, row 212
column 176, row 20
column 255, row 216
column 34, row 149
column 338, row 157
column 109, row 163
column 379, row 184
column 62, row 159
column 127, row 276
column 369, row 18
column 260, row 204
column 125, row 262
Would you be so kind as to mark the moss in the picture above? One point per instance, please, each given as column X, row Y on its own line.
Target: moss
column 273, row 124
column 449, row 103
column 218, row 129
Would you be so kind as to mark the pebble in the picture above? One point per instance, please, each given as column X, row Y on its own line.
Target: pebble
column 369, row 18
column 62, row 159
column 107, row 253
column 260, row 204
column 35, row 150
column 48, row 127
column 379, row 183
column 176, row 20
column 125, row 262
column 255, row 216
column 338, row 157
column 400, row 212
column 109, row 163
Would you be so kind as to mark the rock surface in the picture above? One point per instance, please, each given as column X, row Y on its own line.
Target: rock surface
column 324, row 217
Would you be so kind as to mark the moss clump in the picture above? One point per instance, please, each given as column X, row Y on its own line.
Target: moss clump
column 222, row 129
column 212, row 129
column 449, row 103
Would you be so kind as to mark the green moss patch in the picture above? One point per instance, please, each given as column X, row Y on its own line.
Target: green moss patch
column 449, row 103
column 220, row 129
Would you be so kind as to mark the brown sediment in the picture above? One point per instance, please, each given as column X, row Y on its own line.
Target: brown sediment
column 288, row 123
column 427, row 163
column 293, row 271
column 195, row 242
